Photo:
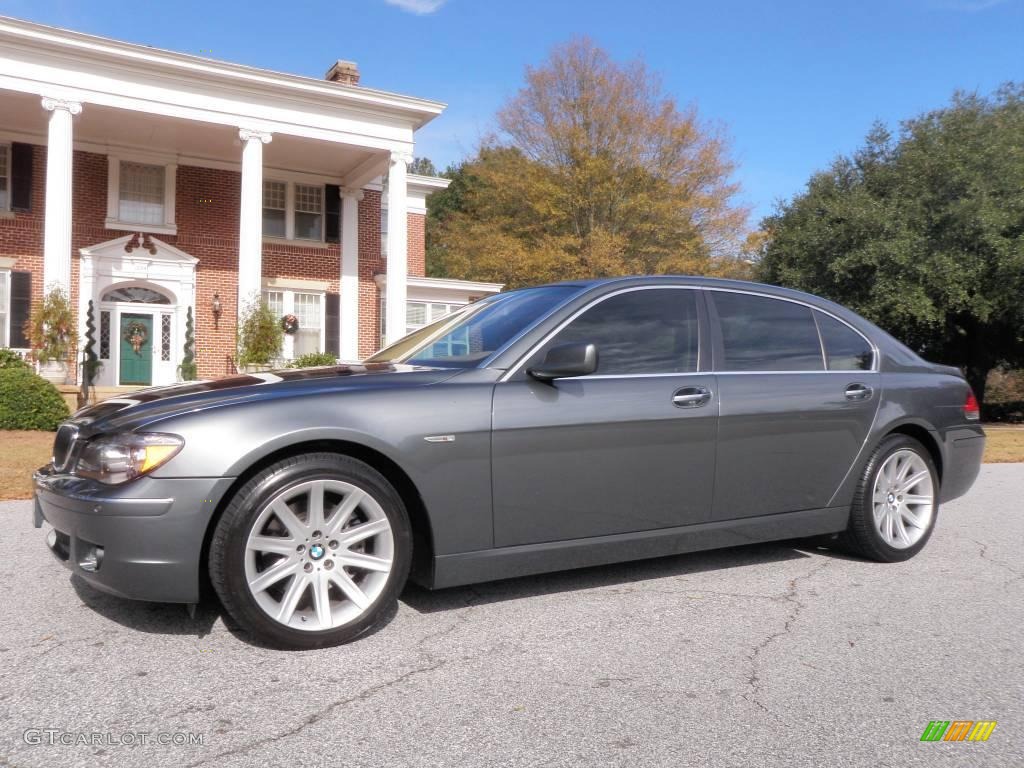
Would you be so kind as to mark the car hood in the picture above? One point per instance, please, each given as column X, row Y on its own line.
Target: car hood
column 145, row 406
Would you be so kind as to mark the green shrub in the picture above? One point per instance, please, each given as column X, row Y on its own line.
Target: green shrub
column 312, row 360
column 28, row 401
column 260, row 337
column 1007, row 413
column 11, row 359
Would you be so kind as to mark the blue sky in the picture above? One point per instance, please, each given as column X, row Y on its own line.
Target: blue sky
column 792, row 83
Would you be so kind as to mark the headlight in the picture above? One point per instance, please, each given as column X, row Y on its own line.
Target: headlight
column 115, row 459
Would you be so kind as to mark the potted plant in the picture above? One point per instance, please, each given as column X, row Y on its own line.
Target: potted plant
column 260, row 337
column 50, row 333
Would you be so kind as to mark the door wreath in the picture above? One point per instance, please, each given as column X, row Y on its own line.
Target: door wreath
column 289, row 324
column 136, row 334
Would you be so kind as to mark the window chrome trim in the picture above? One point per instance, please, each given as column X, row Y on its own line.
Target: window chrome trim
column 555, row 331
column 875, row 355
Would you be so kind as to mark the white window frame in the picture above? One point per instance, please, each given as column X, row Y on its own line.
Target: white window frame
column 113, row 221
column 5, row 300
column 410, row 327
column 288, row 308
column 289, row 210
column 5, row 149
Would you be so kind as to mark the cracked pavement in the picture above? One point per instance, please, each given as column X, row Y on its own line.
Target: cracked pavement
column 775, row 654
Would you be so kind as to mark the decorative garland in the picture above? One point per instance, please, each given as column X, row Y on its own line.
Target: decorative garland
column 136, row 334
column 289, row 324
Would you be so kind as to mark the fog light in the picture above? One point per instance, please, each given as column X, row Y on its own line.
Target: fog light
column 91, row 558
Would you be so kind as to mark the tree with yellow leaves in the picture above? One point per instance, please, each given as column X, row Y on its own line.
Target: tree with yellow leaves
column 594, row 172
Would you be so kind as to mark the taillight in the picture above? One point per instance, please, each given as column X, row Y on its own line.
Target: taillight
column 972, row 411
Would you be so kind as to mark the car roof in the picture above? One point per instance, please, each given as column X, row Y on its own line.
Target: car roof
column 701, row 281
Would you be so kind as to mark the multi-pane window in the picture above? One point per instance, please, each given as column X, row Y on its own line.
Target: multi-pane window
column 141, row 195
column 165, row 337
column 275, row 205
column 417, row 314
column 309, row 212
column 104, row 335
column 307, row 310
column 5, row 308
column 5, row 177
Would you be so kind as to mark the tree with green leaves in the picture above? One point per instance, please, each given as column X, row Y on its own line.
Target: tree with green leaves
column 422, row 166
column 595, row 171
column 922, row 232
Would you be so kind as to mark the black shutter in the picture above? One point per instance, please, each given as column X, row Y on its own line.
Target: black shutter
column 332, row 213
column 21, row 307
column 21, row 177
column 332, row 316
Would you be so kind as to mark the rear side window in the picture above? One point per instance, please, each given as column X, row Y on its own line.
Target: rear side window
column 641, row 331
column 845, row 349
column 763, row 334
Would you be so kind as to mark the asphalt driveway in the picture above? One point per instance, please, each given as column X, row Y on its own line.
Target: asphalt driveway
column 764, row 655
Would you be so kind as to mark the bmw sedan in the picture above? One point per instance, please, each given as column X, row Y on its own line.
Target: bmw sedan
column 537, row 430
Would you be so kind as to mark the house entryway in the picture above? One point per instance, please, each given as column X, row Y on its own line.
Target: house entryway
column 141, row 290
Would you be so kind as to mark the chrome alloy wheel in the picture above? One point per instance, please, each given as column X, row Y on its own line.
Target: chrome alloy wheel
column 319, row 555
column 903, row 500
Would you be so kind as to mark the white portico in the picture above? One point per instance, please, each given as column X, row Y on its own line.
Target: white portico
column 160, row 117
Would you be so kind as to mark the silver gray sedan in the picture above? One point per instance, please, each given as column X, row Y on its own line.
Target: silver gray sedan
column 543, row 429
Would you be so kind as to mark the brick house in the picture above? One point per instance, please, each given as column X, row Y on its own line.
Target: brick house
column 150, row 182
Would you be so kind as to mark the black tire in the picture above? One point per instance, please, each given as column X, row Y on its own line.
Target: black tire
column 228, row 547
column 862, row 537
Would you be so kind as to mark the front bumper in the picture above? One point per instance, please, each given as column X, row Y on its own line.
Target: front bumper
column 151, row 531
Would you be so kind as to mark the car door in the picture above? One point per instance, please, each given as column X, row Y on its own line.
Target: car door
column 630, row 447
column 798, row 394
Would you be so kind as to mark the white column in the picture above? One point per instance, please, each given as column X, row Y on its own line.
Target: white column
column 349, row 298
column 250, row 234
column 398, row 246
column 57, row 219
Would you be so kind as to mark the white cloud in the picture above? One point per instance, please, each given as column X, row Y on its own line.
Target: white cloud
column 419, row 7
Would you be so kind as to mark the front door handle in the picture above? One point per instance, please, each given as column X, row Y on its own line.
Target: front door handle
column 858, row 392
column 691, row 397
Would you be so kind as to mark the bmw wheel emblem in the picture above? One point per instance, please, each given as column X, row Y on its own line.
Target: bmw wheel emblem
column 316, row 551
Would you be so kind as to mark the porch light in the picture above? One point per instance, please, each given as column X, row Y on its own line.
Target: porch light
column 217, row 309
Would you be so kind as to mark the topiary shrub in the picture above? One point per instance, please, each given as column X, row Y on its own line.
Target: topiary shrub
column 28, row 401
column 312, row 360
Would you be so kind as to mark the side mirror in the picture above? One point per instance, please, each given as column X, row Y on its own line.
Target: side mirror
column 575, row 359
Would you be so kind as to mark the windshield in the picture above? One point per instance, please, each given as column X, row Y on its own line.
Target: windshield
column 473, row 333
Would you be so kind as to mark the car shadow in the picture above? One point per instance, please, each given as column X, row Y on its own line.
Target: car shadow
column 174, row 619
column 429, row 601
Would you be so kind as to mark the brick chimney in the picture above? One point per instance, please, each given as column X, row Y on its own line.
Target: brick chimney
column 344, row 72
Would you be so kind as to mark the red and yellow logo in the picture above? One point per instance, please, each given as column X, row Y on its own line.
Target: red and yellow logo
column 958, row 730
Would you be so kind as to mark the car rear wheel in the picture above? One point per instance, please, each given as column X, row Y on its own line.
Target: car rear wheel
column 896, row 504
column 312, row 551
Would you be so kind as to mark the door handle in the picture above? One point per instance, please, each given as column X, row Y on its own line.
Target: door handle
column 691, row 397
column 858, row 392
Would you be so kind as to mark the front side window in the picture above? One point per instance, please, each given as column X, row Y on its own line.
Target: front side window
column 473, row 333
column 141, row 196
column 845, row 349
column 5, row 177
column 640, row 331
column 275, row 195
column 764, row 334
column 309, row 212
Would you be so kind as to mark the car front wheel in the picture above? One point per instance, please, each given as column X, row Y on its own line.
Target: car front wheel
column 896, row 503
column 312, row 551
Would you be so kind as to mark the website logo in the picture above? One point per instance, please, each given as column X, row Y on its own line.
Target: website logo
column 958, row 730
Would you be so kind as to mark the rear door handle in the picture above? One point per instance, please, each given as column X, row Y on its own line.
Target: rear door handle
column 858, row 392
column 691, row 397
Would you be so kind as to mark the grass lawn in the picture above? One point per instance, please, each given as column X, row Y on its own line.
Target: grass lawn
column 22, row 452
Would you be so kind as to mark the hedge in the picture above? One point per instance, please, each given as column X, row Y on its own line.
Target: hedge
column 28, row 401
column 1007, row 413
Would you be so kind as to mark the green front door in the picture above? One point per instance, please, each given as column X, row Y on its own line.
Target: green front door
column 136, row 349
